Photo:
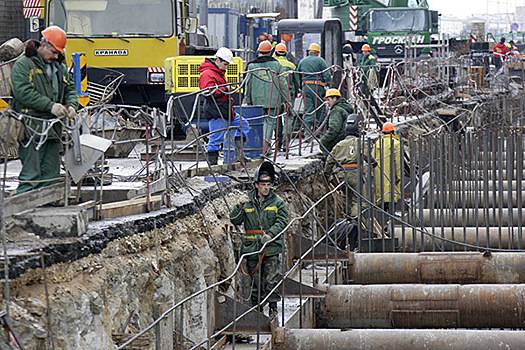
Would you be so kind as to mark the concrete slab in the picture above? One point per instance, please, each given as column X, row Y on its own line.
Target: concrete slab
column 54, row 221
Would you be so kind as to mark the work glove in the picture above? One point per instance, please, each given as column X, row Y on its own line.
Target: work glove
column 59, row 110
column 265, row 238
column 71, row 113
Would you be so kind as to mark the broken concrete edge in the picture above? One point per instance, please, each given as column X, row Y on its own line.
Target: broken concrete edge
column 100, row 234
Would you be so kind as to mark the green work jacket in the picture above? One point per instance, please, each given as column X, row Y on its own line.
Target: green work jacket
column 336, row 124
column 266, row 85
column 345, row 152
column 269, row 216
column 35, row 93
column 366, row 63
column 291, row 77
column 312, row 64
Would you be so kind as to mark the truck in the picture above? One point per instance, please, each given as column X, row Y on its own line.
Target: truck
column 126, row 38
column 386, row 26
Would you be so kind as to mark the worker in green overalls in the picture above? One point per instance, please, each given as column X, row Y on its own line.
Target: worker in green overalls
column 314, row 79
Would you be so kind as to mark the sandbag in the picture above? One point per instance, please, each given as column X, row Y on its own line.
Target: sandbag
column 12, row 129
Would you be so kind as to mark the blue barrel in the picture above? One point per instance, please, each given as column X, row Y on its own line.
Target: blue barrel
column 253, row 142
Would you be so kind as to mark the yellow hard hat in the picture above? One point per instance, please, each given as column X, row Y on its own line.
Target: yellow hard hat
column 314, row 47
column 332, row 93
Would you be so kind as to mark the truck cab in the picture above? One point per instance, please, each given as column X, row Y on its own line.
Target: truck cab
column 390, row 29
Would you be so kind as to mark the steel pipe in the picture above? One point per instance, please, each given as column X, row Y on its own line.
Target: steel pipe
column 423, row 306
column 480, row 185
column 452, row 267
column 492, row 237
column 491, row 174
column 476, row 199
column 471, row 217
column 391, row 339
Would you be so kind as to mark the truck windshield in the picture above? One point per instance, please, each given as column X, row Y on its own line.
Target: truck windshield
column 113, row 17
column 398, row 20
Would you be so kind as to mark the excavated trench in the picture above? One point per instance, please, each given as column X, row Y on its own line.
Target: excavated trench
column 121, row 275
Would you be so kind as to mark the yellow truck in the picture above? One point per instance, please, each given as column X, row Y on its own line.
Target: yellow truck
column 124, row 38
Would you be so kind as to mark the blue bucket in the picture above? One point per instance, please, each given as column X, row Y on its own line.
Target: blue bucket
column 253, row 142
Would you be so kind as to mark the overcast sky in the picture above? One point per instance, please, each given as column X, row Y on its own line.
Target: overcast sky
column 467, row 8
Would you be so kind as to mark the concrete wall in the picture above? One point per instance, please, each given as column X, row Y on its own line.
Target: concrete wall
column 12, row 22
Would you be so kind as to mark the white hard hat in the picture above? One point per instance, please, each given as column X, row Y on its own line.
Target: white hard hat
column 225, row 54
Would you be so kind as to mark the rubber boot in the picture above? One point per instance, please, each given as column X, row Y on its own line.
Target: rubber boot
column 213, row 157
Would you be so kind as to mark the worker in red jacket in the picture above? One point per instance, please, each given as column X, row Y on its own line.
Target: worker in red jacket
column 218, row 104
column 500, row 51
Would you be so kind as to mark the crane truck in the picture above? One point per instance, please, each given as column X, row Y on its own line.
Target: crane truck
column 387, row 26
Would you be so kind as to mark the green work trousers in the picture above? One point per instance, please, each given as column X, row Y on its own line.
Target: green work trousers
column 268, row 273
column 352, row 179
column 269, row 127
column 39, row 165
column 285, row 124
column 313, row 95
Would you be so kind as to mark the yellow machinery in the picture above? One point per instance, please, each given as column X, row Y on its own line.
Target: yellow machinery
column 182, row 73
column 129, row 39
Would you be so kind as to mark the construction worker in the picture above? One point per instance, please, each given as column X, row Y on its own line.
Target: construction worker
column 266, row 86
column 345, row 158
column 348, row 56
column 264, row 216
column 339, row 110
column 367, row 63
column 514, row 49
column 218, row 104
column 42, row 89
column 281, row 55
column 387, row 152
column 314, row 79
column 499, row 52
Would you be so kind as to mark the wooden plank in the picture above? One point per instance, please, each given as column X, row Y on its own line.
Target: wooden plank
column 88, row 206
column 155, row 187
column 33, row 199
column 129, row 207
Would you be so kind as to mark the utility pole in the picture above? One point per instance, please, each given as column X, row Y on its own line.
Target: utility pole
column 291, row 8
column 203, row 12
column 319, row 9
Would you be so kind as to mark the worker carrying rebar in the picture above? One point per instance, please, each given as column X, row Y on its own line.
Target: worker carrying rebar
column 499, row 53
column 367, row 63
column 339, row 109
column 264, row 216
column 315, row 78
column 346, row 162
column 218, row 105
column 42, row 90
column 387, row 152
column 267, row 86
column 286, row 123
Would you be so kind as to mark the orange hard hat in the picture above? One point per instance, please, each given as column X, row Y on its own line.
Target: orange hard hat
column 281, row 48
column 366, row 47
column 388, row 127
column 56, row 37
column 265, row 46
